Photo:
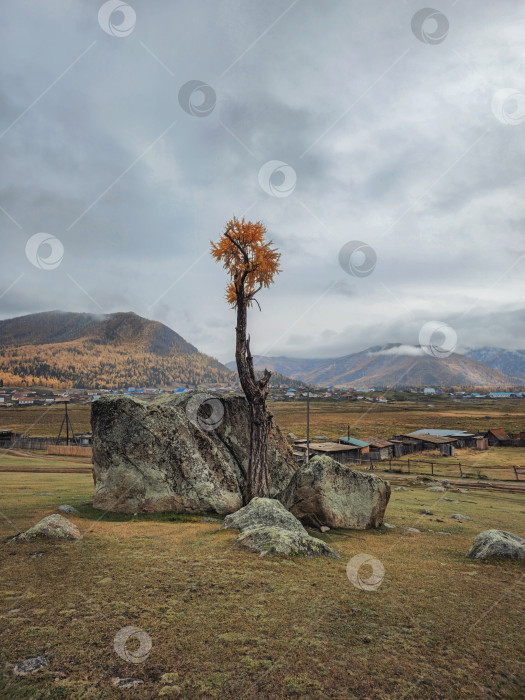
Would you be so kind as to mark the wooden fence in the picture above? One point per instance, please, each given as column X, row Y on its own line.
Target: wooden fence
column 70, row 450
column 412, row 467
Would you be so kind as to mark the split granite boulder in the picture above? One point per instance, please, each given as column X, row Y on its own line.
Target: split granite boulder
column 185, row 453
column 497, row 544
column 324, row 492
column 268, row 528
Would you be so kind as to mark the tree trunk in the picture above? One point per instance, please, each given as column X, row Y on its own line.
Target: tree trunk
column 258, row 477
column 256, row 391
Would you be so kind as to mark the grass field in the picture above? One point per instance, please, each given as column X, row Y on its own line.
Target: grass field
column 330, row 418
column 226, row 624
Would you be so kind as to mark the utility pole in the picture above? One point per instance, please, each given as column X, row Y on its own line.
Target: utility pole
column 307, row 425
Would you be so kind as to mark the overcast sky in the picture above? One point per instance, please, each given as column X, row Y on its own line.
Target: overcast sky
column 403, row 131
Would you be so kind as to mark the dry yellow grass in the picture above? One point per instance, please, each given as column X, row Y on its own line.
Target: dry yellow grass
column 228, row 624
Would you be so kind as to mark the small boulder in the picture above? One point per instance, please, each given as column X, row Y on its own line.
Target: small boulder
column 427, row 512
column 274, row 540
column 268, row 528
column 401, row 488
column 30, row 666
column 413, row 530
column 389, row 526
column 497, row 543
column 324, row 492
column 458, row 516
column 263, row 512
column 291, row 436
column 127, row 683
column 436, row 489
column 54, row 527
column 70, row 510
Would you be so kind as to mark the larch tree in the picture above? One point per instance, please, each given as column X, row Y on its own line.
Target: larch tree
column 251, row 264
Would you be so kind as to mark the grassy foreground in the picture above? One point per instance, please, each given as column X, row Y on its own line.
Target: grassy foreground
column 226, row 624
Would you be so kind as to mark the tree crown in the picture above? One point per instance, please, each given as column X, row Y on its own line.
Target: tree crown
column 249, row 259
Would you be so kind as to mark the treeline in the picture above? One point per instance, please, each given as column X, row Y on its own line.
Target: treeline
column 83, row 365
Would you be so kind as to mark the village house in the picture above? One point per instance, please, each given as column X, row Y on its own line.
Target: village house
column 344, row 454
column 379, row 450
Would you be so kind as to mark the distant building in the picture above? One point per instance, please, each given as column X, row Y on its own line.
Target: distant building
column 497, row 437
column 429, row 390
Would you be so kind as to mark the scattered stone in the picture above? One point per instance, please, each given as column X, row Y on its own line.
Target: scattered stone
column 390, row 526
column 497, row 543
column 458, row 516
column 321, row 437
column 70, row 510
column 356, row 610
column 127, row 683
column 400, row 488
column 291, row 436
column 449, row 500
column 274, row 540
column 325, row 492
column 367, row 639
column 37, row 555
column 412, row 529
column 427, row 512
column 164, row 455
column 464, row 490
column 86, row 503
column 263, row 512
column 436, row 489
column 440, row 532
column 54, row 527
column 324, row 528
column 440, row 520
column 30, row 666
column 211, row 520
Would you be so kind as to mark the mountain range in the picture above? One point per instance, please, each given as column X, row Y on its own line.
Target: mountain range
column 394, row 365
column 66, row 349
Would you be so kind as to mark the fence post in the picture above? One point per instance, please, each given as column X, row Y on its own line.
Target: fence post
column 460, row 471
column 432, row 467
column 408, row 464
column 517, row 475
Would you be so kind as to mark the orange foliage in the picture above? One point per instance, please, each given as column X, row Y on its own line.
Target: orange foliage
column 250, row 261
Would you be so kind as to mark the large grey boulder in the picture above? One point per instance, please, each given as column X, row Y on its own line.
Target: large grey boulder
column 186, row 452
column 497, row 543
column 324, row 492
column 54, row 527
column 268, row 528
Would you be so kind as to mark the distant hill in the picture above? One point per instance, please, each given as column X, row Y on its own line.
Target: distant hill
column 388, row 366
column 511, row 362
column 64, row 349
